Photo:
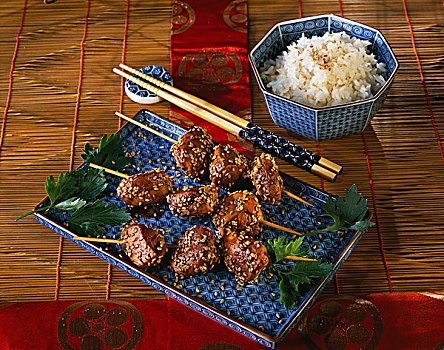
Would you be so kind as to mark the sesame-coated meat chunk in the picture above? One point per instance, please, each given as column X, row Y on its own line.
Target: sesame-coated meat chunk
column 193, row 201
column 239, row 211
column 244, row 256
column 264, row 175
column 193, row 152
column 145, row 189
column 196, row 252
column 143, row 245
column 228, row 167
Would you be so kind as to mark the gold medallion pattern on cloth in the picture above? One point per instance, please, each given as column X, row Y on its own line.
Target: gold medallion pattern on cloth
column 210, row 69
column 95, row 325
column 342, row 322
column 183, row 17
column 236, row 15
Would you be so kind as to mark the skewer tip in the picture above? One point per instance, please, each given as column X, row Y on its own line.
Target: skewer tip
column 297, row 198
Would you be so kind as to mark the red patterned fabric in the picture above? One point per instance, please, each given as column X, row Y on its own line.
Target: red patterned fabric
column 407, row 321
column 209, row 59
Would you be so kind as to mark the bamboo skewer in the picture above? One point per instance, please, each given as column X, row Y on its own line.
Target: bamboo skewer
column 101, row 240
column 289, row 194
column 92, row 165
column 143, row 126
column 262, row 221
column 268, row 223
column 171, row 246
column 109, row 240
column 336, row 168
column 233, row 129
column 299, row 258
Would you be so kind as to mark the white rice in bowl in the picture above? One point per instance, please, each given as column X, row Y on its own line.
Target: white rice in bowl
column 325, row 71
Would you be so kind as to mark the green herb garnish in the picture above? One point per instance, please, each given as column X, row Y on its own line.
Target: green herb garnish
column 109, row 154
column 292, row 281
column 90, row 218
column 72, row 190
column 280, row 248
column 347, row 213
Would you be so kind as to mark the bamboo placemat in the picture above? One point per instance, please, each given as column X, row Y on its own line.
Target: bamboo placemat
column 397, row 163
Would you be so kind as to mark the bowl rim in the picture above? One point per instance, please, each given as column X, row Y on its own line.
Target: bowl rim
column 372, row 99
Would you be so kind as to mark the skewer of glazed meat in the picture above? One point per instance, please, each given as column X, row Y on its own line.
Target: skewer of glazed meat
column 197, row 155
column 241, row 211
column 195, row 252
column 156, row 185
column 142, row 190
column 144, row 246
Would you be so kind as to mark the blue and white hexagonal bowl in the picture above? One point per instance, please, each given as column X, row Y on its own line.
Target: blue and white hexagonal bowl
column 328, row 122
column 250, row 310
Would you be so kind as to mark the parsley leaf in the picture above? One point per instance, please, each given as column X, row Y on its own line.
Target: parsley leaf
column 347, row 213
column 301, row 274
column 72, row 189
column 88, row 219
column 92, row 185
column 109, row 154
column 70, row 204
column 65, row 187
column 281, row 248
column 288, row 294
column 303, row 271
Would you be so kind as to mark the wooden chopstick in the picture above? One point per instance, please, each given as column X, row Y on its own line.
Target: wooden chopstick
column 191, row 98
column 189, row 107
column 215, row 120
column 336, row 168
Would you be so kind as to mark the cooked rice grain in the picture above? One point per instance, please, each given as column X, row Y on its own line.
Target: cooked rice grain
column 325, row 71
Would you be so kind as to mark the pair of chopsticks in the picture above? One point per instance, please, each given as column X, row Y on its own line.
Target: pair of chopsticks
column 235, row 125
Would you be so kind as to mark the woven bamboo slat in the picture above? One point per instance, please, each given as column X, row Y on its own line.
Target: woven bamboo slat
column 403, row 151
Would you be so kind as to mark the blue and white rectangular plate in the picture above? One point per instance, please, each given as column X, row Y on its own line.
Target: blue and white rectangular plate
column 253, row 310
